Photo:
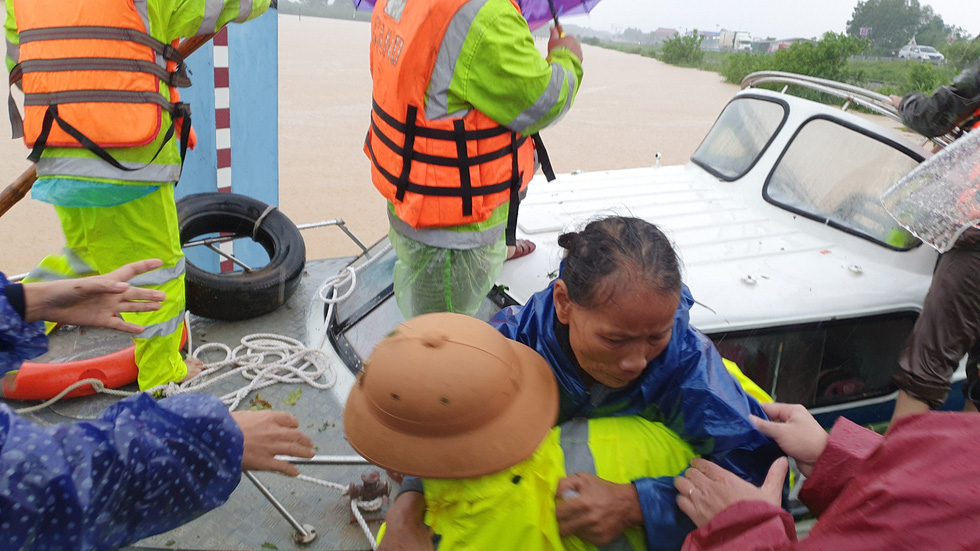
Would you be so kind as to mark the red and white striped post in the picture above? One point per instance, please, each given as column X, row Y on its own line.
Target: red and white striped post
column 239, row 66
column 222, row 130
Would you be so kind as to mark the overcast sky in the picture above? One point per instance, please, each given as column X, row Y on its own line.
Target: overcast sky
column 762, row 18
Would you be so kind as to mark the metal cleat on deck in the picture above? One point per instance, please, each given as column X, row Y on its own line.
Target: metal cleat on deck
column 370, row 496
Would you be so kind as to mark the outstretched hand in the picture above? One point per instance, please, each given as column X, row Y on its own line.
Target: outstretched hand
column 268, row 434
column 707, row 489
column 93, row 301
column 796, row 432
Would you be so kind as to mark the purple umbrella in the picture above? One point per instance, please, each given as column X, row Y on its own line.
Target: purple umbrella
column 540, row 12
column 537, row 12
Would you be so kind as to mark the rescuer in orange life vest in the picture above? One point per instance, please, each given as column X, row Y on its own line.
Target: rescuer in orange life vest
column 101, row 114
column 459, row 92
column 949, row 325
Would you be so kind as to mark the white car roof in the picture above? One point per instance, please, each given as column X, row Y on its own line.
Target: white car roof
column 748, row 263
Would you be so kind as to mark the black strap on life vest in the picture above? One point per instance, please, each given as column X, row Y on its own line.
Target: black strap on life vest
column 176, row 79
column 178, row 111
column 515, row 192
column 465, row 185
column 95, row 32
column 543, row 158
column 510, row 230
column 407, row 152
column 462, row 161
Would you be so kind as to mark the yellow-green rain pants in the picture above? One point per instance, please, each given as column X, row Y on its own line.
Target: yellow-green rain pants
column 100, row 240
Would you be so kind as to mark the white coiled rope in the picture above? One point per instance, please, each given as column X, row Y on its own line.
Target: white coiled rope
column 263, row 359
column 348, row 278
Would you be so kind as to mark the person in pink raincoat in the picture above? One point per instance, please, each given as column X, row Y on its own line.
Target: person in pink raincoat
column 916, row 488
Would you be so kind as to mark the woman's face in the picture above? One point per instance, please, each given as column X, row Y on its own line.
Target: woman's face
column 628, row 326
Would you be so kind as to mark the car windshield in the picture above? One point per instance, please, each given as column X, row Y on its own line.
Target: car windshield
column 739, row 137
column 928, row 50
column 370, row 312
column 834, row 173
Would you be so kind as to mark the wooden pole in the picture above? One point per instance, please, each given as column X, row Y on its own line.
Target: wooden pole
column 19, row 187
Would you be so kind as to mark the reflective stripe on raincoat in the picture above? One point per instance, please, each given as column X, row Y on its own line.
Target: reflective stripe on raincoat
column 515, row 508
column 687, row 387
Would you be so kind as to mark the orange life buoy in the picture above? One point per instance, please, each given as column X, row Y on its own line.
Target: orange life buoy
column 42, row 381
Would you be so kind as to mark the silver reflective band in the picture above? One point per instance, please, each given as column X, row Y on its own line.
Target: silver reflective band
column 545, row 102
column 13, row 51
column 244, row 11
column 159, row 276
column 574, row 441
column 140, row 6
column 575, row 445
column 76, row 264
column 43, row 274
column 97, row 168
column 447, row 239
column 437, row 104
column 212, row 11
column 162, row 329
column 572, row 84
column 144, row 15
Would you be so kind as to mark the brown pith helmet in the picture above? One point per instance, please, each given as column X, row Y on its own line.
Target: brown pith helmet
column 447, row 396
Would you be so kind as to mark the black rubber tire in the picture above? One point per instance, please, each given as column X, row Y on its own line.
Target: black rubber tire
column 240, row 296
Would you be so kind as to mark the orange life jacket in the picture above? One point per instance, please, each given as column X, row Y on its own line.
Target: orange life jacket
column 437, row 173
column 91, row 67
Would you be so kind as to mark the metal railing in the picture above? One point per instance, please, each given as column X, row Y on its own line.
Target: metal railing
column 852, row 95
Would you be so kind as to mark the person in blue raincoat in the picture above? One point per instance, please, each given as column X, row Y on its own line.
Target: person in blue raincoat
column 615, row 329
column 142, row 467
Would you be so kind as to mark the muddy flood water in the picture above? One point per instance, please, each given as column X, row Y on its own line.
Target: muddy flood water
column 629, row 108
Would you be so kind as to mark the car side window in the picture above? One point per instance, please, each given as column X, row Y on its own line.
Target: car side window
column 821, row 364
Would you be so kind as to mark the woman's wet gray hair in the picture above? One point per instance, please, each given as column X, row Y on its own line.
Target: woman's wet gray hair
column 617, row 243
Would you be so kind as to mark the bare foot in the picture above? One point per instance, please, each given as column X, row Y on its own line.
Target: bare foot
column 194, row 368
column 523, row 248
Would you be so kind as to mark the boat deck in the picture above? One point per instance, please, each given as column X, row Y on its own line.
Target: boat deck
column 248, row 520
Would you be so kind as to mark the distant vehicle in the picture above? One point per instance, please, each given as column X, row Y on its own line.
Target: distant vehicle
column 740, row 41
column 921, row 53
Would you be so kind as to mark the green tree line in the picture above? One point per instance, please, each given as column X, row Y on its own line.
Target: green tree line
column 891, row 24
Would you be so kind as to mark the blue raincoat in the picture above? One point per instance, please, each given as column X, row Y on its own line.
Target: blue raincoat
column 686, row 387
column 19, row 340
column 142, row 468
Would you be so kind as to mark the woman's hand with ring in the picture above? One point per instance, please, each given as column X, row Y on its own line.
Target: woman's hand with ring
column 718, row 489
